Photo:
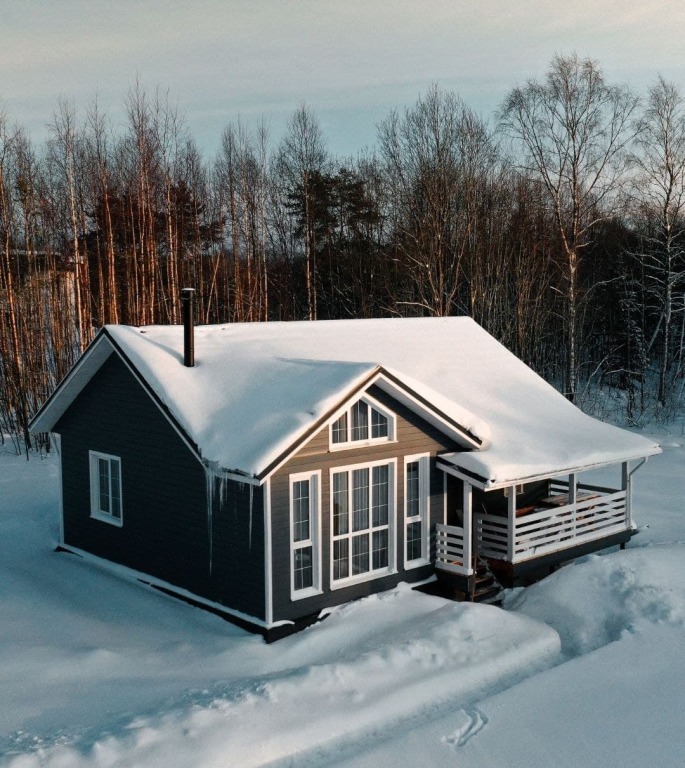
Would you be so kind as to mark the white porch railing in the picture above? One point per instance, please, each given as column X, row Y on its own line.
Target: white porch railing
column 552, row 529
column 449, row 550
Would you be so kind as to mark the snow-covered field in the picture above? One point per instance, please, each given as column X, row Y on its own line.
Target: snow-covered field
column 586, row 668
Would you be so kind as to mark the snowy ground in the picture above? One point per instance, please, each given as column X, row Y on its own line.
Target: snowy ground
column 586, row 668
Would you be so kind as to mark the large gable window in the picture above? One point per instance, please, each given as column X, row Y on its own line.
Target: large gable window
column 304, row 534
column 364, row 422
column 363, row 514
column 105, row 488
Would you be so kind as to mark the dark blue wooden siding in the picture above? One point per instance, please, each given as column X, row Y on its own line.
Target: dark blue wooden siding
column 166, row 522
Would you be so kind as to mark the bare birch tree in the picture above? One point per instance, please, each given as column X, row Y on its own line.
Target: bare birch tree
column 572, row 131
column 660, row 195
column 433, row 156
column 303, row 156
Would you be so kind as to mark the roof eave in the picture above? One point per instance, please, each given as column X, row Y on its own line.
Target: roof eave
column 491, row 484
column 393, row 386
column 90, row 362
column 64, row 394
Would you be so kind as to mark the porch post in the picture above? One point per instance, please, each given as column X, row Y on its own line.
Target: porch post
column 626, row 486
column 572, row 494
column 467, row 508
column 511, row 523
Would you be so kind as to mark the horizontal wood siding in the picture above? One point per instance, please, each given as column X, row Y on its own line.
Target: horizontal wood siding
column 238, row 547
column 166, row 524
column 414, row 436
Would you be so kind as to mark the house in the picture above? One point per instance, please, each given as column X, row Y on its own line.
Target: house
column 270, row 471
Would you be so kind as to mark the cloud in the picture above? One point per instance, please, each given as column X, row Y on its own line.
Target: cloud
column 221, row 58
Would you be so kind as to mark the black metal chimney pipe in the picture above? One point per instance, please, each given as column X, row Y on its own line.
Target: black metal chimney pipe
column 187, row 300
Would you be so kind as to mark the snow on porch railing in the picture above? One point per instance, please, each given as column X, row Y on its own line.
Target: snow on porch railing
column 449, row 550
column 551, row 530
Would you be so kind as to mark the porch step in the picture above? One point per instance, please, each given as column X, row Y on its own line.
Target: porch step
column 486, row 588
column 482, row 587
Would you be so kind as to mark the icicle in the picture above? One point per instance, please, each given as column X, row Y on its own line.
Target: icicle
column 250, row 531
column 217, row 492
column 211, row 475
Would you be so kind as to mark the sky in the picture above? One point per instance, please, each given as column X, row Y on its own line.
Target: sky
column 351, row 62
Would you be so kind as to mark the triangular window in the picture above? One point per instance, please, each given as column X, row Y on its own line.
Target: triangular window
column 364, row 422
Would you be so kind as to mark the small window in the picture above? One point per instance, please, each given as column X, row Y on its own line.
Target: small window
column 105, row 488
column 304, row 535
column 365, row 421
column 416, row 504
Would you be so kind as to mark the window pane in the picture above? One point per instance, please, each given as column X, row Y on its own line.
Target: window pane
column 360, row 554
column 361, row 538
column 301, row 510
column 414, row 541
column 340, row 429
column 116, row 501
column 380, row 549
column 341, row 564
column 412, row 489
column 360, row 499
column 303, row 570
column 379, row 496
column 103, row 472
column 340, row 504
column 360, row 421
column 379, row 424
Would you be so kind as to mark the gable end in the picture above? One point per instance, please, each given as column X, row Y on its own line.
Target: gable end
column 396, row 388
column 69, row 389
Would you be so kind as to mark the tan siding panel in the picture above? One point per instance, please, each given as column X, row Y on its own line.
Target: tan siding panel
column 414, row 436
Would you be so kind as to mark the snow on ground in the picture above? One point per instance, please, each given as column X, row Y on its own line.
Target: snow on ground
column 585, row 668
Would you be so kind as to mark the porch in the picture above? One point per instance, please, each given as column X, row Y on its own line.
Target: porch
column 561, row 519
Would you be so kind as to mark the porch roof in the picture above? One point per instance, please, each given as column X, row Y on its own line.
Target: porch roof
column 506, row 466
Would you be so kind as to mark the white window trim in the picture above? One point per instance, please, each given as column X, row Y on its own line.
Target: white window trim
column 94, row 474
column 424, row 510
column 314, row 534
column 373, row 403
column 391, row 568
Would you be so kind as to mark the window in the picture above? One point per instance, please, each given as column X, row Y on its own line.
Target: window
column 304, row 533
column 105, row 488
column 365, row 421
column 362, row 512
column 416, row 503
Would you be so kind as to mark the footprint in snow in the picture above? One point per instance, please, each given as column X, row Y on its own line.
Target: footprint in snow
column 469, row 723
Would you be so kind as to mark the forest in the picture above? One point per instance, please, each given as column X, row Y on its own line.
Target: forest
column 558, row 224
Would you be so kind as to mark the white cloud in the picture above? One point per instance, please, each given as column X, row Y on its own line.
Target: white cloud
column 222, row 58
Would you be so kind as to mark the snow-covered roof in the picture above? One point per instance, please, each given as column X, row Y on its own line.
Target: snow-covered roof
column 257, row 388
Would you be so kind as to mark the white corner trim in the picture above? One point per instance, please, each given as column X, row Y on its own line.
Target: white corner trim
column 268, row 556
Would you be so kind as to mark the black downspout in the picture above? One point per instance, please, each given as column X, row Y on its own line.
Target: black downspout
column 187, row 300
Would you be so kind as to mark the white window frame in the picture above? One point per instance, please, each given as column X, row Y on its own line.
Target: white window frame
column 314, row 540
column 347, row 410
column 96, row 512
column 423, row 515
column 391, row 568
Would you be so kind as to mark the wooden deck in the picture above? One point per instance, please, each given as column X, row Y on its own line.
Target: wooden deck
column 549, row 530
